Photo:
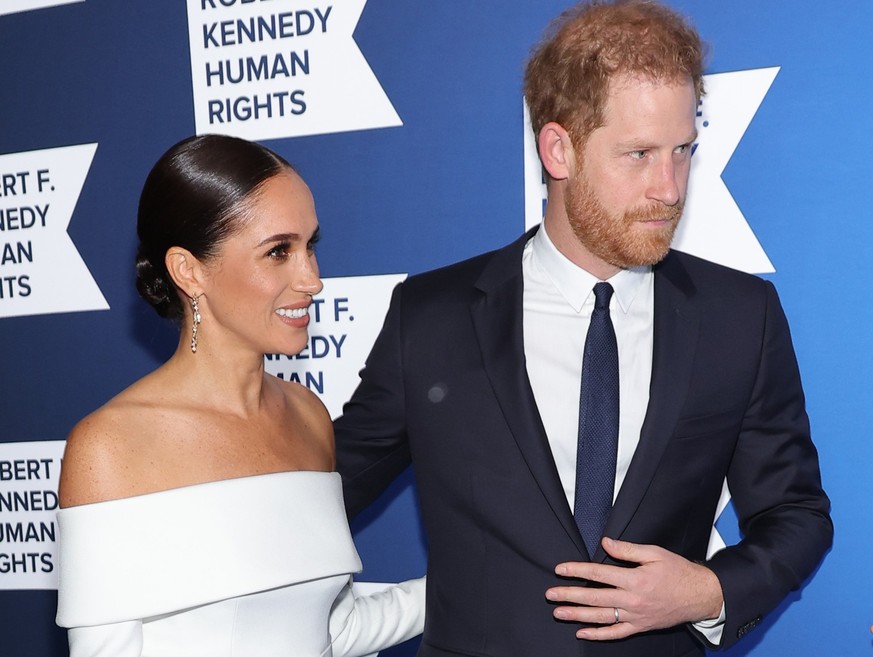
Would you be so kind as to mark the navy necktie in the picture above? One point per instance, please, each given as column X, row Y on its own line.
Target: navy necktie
column 598, row 423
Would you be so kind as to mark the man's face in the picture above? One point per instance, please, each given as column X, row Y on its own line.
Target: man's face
column 626, row 199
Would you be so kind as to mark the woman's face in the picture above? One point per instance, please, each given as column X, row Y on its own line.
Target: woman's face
column 260, row 284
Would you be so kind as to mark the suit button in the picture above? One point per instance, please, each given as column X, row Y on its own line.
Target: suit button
column 744, row 629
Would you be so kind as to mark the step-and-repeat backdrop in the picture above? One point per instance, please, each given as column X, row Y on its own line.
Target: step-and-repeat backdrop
column 406, row 119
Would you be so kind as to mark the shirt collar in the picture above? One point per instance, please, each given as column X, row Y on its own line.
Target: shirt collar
column 576, row 284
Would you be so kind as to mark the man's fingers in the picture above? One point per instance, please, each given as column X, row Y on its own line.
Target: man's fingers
column 598, row 615
column 612, row 622
column 583, row 595
column 631, row 552
column 616, row 576
column 607, row 632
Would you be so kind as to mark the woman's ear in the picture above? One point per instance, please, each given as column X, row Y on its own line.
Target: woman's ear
column 185, row 269
column 556, row 151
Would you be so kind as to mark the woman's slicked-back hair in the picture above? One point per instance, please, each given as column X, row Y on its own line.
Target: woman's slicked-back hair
column 193, row 198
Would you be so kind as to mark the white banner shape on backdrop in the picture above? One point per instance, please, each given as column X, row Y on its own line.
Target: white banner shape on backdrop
column 345, row 319
column 716, row 542
column 29, row 474
column 41, row 272
column 713, row 226
column 274, row 70
column 535, row 192
column 15, row 6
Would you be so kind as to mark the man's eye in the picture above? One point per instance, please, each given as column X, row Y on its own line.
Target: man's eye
column 637, row 155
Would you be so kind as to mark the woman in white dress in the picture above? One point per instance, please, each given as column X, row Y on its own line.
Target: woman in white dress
column 201, row 515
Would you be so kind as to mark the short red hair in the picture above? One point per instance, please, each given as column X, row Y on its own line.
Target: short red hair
column 567, row 78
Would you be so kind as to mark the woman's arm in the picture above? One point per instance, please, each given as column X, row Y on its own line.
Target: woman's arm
column 369, row 623
column 114, row 640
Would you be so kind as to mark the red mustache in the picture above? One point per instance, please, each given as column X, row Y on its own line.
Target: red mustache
column 662, row 213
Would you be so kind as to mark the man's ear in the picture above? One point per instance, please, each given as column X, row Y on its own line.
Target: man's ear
column 556, row 151
column 185, row 269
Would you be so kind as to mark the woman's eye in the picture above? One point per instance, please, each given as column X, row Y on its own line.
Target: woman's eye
column 310, row 246
column 278, row 251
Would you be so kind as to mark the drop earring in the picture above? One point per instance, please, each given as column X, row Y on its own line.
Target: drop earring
column 195, row 311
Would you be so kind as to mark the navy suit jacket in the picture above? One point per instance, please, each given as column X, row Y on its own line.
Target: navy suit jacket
column 446, row 386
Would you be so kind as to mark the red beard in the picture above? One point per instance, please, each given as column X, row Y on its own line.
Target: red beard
column 626, row 240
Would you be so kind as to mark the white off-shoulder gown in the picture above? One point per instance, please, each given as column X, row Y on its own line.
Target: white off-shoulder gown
column 258, row 566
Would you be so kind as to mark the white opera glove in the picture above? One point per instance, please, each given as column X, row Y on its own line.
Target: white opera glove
column 369, row 623
column 111, row 640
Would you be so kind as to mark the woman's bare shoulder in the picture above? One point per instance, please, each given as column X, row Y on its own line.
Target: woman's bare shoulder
column 94, row 458
column 104, row 450
column 311, row 416
column 304, row 399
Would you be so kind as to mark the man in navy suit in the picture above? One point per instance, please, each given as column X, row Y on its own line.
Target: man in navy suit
column 476, row 378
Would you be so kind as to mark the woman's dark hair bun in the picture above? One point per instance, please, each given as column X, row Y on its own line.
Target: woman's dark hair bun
column 155, row 288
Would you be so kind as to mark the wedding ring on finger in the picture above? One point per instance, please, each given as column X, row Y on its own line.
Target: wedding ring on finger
column 615, row 609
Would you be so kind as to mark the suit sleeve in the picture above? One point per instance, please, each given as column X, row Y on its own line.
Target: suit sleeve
column 371, row 437
column 776, row 489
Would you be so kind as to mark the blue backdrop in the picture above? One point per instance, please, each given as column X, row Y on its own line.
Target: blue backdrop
column 446, row 184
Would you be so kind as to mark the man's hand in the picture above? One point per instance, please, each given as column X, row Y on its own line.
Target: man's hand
column 663, row 591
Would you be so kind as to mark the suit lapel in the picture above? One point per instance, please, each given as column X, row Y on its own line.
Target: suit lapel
column 676, row 326
column 498, row 321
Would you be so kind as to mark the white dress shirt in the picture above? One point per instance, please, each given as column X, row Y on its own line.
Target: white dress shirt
column 558, row 302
